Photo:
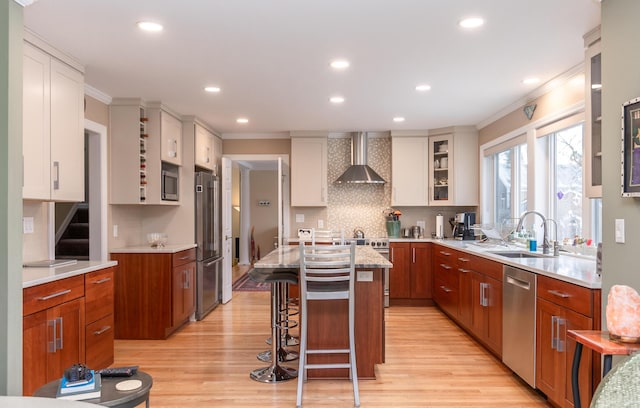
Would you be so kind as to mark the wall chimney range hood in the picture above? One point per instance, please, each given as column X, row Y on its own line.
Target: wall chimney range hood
column 359, row 172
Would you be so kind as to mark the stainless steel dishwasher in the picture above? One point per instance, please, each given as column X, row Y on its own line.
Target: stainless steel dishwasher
column 519, row 322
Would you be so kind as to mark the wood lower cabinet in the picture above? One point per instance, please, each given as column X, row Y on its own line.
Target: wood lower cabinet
column 154, row 295
column 468, row 288
column 562, row 306
column 99, row 329
column 411, row 277
column 53, row 330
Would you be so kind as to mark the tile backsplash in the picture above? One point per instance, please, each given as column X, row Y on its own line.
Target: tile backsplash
column 362, row 206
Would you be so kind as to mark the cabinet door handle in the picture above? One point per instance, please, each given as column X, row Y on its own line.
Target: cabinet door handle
column 413, row 255
column 56, row 179
column 391, row 255
column 445, row 266
column 554, row 340
column 52, row 344
column 560, row 343
column 207, row 160
column 59, row 344
column 185, row 279
column 559, row 294
column 483, row 300
column 446, row 289
column 103, row 280
column 51, row 296
column 102, row 330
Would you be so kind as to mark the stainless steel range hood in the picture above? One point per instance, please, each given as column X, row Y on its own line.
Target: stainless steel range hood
column 359, row 172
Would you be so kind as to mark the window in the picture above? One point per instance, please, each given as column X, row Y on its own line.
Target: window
column 556, row 172
column 508, row 183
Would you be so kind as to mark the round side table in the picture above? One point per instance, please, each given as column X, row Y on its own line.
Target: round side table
column 110, row 397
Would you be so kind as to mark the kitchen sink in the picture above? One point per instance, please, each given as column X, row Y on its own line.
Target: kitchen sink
column 518, row 254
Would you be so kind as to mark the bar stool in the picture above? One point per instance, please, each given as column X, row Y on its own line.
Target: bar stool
column 327, row 272
column 275, row 372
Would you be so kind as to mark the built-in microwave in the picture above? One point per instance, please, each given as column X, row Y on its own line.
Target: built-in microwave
column 170, row 182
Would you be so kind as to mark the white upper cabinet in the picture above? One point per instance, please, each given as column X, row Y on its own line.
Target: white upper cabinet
column 453, row 167
column 170, row 138
column 53, row 128
column 309, row 171
column 593, row 113
column 204, row 148
column 409, row 170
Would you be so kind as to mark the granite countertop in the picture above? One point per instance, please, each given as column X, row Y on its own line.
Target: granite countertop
column 38, row 276
column 573, row 269
column 144, row 249
column 288, row 256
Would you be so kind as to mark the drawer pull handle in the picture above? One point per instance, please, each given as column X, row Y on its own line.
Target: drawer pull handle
column 103, row 280
column 463, row 259
column 446, row 289
column 102, row 330
column 51, row 296
column 445, row 266
column 464, row 270
column 445, row 253
column 184, row 257
column 559, row 294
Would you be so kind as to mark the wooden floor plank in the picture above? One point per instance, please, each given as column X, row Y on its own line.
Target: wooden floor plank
column 430, row 362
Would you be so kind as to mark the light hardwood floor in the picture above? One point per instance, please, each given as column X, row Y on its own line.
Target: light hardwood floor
column 430, row 362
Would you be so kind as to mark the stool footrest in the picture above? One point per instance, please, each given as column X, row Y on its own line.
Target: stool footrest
column 317, row 366
column 328, row 351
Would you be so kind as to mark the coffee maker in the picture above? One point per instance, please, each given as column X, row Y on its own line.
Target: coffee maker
column 462, row 226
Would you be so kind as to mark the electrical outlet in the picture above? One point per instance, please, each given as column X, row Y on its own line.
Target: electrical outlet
column 299, row 217
column 115, row 230
column 27, row 225
column 619, row 231
column 320, row 223
column 365, row 276
column 264, row 203
column 421, row 224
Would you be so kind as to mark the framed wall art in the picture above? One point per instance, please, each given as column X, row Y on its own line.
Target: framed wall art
column 631, row 148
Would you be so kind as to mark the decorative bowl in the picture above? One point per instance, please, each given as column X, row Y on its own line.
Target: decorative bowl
column 157, row 239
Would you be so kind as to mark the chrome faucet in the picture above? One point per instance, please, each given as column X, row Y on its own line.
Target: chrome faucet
column 556, row 245
column 545, row 236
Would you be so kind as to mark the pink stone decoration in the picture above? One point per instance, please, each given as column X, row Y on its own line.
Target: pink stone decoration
column 623, row 312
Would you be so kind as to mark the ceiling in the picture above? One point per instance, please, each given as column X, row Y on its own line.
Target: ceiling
column 271, row 57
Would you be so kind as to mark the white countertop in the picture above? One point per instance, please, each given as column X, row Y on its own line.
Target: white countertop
column 144, row 249
column 38, row 276
column 288, row 256
column 568, row 268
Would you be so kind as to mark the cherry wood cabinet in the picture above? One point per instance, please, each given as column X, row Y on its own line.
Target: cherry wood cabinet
column 411, row 277
column 154, row 295
column 562, row 306
column 468, row 288
column 53, row 330
column 99, row 329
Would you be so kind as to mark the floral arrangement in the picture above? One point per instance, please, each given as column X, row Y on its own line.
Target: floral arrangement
column 392, row 215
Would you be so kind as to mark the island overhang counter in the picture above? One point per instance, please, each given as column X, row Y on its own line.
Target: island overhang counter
column 328, row 320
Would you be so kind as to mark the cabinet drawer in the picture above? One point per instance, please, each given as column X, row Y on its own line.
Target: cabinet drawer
column 183, row 257
column 41, row 297
column 565, row 294
column 98, row 294
column 482, row 265
column 443, row 253
column 99, row 340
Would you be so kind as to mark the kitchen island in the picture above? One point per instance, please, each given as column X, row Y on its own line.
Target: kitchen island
column 328, row 323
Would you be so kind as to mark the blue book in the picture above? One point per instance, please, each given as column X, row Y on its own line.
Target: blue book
column 74, row 393
column 67, row 387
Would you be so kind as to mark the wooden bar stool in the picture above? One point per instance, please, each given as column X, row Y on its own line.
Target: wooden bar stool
column 327, row 272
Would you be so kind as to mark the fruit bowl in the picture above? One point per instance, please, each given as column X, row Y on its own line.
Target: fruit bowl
column 157, row 239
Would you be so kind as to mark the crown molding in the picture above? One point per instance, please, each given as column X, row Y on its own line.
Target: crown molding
column 97, row 94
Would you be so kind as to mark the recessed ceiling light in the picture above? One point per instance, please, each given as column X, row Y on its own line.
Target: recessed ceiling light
column 340, row 64
column 336, row 99
column 212, row 89
column 530, row 80
column 471, row 22
column 149, row 26
column 423, row 88
column 398, row 119
column 242, row 120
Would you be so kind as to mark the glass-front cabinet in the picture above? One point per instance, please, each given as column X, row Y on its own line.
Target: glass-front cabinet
column 593, row 120
column 441, row 160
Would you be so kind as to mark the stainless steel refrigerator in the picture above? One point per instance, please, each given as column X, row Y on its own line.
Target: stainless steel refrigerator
column 208, row 251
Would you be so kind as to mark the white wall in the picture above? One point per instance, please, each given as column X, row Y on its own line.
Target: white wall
column 621, row 82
